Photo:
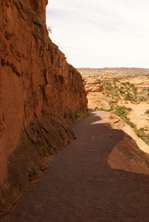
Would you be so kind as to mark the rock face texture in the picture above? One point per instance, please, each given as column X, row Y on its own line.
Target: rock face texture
column 95, row 94
column 39, row 93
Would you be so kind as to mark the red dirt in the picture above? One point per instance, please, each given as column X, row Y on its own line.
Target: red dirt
column 80, row 185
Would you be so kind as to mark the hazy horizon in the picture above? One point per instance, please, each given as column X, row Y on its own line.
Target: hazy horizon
column 111, row 68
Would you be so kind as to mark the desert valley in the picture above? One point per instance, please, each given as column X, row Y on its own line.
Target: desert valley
column 123, row 92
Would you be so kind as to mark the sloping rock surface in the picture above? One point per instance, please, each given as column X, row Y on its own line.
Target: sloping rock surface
column 39, row 93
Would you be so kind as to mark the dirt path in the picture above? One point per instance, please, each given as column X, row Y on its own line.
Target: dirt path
column 80, row 186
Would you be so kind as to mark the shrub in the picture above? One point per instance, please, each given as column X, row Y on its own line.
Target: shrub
column 142, row 98
column 102, row 109
column 122, row 112
column 140, row 133
column 147, row 111
column 135, row 89
column 77, row 115
column 96, row 108
column 129, row 97
column 123, row 83
column 127, row 108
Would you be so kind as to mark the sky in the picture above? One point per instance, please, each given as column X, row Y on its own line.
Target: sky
column 97, row 34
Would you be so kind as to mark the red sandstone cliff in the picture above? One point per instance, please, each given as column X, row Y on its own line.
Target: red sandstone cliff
column 39, row 91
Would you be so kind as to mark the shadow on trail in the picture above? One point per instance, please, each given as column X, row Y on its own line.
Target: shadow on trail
column 80, row 186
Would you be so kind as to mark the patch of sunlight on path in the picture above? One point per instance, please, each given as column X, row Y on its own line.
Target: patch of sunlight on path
column 105, row 116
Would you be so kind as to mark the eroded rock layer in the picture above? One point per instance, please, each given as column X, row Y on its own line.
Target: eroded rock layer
column 39, row 93
column 95, row 94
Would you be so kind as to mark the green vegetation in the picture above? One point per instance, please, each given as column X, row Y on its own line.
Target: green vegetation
column 122, row 112
column 102, row 109
column 141, row 133
column 125, row 91
column 77, row 115
column 147, row 111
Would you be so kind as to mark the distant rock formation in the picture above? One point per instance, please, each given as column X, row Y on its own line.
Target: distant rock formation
column 95, row 94
column 39, row 93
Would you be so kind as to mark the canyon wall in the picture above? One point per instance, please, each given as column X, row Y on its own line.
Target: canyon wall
column 39, row 94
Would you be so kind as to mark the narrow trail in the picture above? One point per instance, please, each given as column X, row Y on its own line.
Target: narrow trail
column 80, row 186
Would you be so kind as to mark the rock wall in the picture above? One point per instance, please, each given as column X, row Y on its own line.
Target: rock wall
column 39, row 93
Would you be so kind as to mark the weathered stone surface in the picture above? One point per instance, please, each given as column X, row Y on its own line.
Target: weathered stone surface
column 39, row 93
column 93, row 85
column 95, row 94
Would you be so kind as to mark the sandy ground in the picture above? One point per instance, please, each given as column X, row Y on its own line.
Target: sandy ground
column 142, row 81
column 96, row 98
column 138, row 116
